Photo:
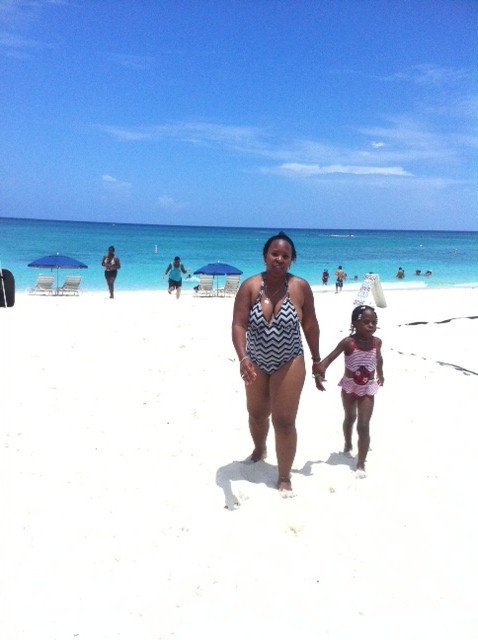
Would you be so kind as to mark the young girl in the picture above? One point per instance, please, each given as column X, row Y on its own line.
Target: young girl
column 362, row 376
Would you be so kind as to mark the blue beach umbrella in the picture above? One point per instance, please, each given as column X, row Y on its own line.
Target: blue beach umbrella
column 57, row 262
column 218, row 269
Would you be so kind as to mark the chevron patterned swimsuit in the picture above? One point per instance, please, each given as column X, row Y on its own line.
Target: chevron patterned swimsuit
column 271, row 344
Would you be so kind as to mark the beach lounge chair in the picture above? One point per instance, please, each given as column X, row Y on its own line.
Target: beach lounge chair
column 71, row 286
column 205, row 286
column 231, row 286
column 44, row 285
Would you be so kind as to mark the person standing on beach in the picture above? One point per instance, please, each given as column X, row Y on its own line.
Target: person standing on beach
column 362, row 377
column 340, row 276
column 175, row 270
column 269, row 310
column 111, row 264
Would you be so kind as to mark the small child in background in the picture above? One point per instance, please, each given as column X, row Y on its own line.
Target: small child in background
column 362, row 376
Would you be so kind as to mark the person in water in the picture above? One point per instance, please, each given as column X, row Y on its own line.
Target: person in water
column 269, row 311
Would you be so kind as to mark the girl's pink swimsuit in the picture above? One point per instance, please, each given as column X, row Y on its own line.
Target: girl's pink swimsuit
column 362, row 363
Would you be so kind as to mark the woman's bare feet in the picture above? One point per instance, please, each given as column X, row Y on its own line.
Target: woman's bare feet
column 258, row 454
column 285, row 488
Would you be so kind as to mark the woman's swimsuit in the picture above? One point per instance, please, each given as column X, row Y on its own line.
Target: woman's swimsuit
column 111, row 270
column 271, row 344
column 363, row 363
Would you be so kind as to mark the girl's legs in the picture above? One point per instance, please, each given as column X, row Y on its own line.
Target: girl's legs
column 365, row 410
column 350, row 409
column 285, row 388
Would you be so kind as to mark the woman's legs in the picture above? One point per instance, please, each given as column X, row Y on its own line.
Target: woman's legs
column 110, row 279
column 285, row 388
column 259, row 408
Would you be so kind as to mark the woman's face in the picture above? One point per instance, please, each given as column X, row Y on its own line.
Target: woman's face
column 278, row 257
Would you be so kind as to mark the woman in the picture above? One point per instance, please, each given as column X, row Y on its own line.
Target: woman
column 269, row 310
column 111, row 263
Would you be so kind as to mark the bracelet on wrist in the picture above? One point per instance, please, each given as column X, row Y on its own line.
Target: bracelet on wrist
column 318, row 375
column 316, row 360
column 242, row 359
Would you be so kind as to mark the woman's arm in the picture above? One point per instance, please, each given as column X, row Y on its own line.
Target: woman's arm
column 310, row 326
column 240, row 321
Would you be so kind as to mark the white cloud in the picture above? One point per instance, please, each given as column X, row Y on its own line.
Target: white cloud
column 114, row 186
column 310, row 170
column 166, row 202
column 377, row 145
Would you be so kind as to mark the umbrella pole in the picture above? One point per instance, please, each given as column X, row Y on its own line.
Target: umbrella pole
column 3, row 285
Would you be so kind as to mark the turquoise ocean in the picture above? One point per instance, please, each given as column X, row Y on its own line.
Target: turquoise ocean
column 146, row 250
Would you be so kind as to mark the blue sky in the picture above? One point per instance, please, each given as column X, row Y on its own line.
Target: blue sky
column 300, row 113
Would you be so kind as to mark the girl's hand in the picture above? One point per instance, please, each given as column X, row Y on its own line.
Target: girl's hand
column 318, row 372
column 248, row 372
column 380, row 381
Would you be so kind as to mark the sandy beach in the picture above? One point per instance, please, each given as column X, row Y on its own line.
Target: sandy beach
column 129, row 511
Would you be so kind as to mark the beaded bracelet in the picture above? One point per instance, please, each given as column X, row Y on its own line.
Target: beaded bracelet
column 316, row 361
column 242, row 359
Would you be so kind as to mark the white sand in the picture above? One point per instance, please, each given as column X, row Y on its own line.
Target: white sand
column 123, row 428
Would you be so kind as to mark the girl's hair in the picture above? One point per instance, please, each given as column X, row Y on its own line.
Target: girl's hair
column 280, row 236
column 357, row 314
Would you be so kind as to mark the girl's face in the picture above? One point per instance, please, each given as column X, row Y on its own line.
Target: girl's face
column 366, row 325
column 278, row 257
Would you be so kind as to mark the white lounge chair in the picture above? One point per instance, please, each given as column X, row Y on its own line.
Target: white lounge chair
column 44, row 285
column 71, row 286
column 205, row 286
column 231, row 286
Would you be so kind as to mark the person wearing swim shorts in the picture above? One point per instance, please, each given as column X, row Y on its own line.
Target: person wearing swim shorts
column 340, row 277
column 269, row 311
column 362, row 377
column 175, row 269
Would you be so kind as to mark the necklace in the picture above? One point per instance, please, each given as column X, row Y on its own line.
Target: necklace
column 267, row 299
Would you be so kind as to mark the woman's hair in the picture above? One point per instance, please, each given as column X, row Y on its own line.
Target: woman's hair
column 357, row 314
column 280, row 236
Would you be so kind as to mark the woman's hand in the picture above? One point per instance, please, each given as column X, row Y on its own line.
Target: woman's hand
column 248, row 372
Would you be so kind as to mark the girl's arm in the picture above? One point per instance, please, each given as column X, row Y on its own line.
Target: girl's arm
column 380, row 378
column 167, row 270
column 340, row 348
